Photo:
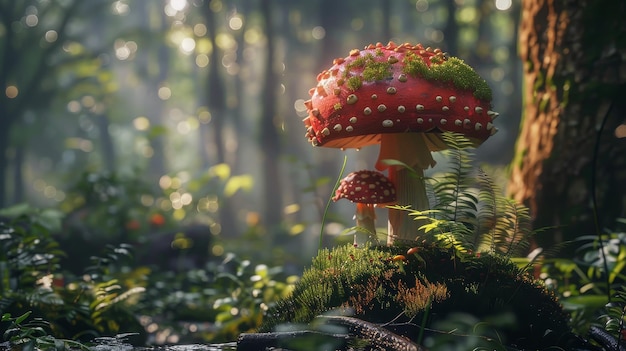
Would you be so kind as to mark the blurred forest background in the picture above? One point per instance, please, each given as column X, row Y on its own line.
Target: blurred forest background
column 191, row 109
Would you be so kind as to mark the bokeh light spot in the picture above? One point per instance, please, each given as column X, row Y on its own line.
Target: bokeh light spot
column 11, row 91
column 503, row 5
column 318, row 32
column 357, row 24
column 202, row 60
column 31, row 20
column 141, row 123
column 199, row 29
column 421, row 5
column 235, row 23
column 178, row 5
column 188, row 45
column 51, row 36
column 164, row 93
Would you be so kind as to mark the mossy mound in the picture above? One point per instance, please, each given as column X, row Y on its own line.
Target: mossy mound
column 421, row 286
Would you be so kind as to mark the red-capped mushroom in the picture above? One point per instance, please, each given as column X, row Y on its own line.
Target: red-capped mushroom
column 367, row 189
column 401, row 97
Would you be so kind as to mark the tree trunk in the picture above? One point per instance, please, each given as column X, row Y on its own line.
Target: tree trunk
column 451, row 30
column 4, row 162
column 385, row 9
column 213, row 133
column 157, row 164
column 216, row 95
column 270, row 139
column 567, row 150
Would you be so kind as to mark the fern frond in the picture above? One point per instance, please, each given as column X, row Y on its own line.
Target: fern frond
column 453, row 182
column 489, row 209
column 521, row 227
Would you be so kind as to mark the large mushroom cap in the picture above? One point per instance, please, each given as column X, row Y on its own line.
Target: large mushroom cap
column 366, row 187
column 397, row 89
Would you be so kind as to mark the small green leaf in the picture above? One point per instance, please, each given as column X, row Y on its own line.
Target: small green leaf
column 592, row 302
column 21, row 318
column 391, row 162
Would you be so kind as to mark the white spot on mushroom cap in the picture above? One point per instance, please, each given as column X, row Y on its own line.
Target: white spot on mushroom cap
column 351, row 99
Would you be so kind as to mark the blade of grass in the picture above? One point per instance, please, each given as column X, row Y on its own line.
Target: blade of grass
column 343, row 168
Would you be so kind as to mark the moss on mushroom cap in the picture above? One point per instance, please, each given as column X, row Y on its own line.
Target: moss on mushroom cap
column 452, row 70
column 425, row 63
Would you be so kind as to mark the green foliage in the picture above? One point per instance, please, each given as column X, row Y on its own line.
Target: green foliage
column 27, row 252
column 106, row 202
column 51, row 309
column 581, row 283
column 232, row 295
column 111, row 294
column 31, row 335
column 615, row 316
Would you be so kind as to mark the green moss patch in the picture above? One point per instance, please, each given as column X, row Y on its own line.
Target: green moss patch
column 382, row 284
column 453, row 70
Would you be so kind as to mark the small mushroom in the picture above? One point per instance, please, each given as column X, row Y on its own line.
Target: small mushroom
column 367, row 189
column 420, row 93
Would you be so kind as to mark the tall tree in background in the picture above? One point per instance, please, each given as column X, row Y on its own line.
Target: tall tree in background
column 216, row 95
column 31, row 62
column 567, row 153
column 270, row 140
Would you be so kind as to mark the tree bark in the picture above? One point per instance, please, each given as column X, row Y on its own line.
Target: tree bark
column 567, row 150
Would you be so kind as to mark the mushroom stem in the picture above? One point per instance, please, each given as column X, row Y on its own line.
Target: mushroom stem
column 365, row 217
column 410, row 190
column 412, row 150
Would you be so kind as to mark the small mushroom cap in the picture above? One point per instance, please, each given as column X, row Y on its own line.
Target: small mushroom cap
column 366, row 187
column 397, row 89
